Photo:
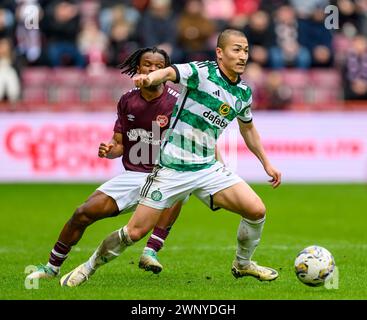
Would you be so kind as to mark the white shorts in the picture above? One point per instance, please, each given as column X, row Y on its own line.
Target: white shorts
column 125, row 189
column 165, row 186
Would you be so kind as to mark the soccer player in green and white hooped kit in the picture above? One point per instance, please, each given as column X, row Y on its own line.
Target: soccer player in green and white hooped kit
column 213, row 95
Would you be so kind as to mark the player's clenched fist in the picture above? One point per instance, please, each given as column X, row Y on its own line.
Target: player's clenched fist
column 104, row 149
column 142, row 80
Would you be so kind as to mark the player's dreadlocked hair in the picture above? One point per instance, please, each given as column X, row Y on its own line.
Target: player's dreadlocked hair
column 130, row 65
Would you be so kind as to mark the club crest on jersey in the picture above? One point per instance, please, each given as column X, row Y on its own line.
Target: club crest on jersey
column 224, row 109
column 238, row 105
column 162, row 120
column 156, row 195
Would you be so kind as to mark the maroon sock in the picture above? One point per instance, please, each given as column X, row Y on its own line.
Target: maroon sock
column 58, row 254
column 157, row 238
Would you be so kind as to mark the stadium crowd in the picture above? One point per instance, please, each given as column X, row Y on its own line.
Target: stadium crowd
column 290, row 47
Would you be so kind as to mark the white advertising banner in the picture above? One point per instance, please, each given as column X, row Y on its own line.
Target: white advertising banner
column 306, row 147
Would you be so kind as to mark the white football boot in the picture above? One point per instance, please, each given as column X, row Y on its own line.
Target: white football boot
column 43, row 272
column 149, row 261
column 254, row 270
column 76, row 277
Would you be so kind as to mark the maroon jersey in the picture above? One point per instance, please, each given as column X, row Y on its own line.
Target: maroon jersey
column 142, row 124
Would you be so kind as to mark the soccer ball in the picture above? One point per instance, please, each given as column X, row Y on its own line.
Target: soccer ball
column 314, row 265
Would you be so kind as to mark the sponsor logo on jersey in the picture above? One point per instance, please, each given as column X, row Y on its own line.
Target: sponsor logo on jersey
column 162, row 120
column 215, row 119
column 145, row 136
column 133, row 135
column 217, row 93
column 224, row 109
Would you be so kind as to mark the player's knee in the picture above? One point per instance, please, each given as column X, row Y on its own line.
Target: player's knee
column 81, row 216
column 259, row 211
column 256, row 212
column 136, row 234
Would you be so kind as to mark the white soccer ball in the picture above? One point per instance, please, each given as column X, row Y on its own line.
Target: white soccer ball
column 314, row 265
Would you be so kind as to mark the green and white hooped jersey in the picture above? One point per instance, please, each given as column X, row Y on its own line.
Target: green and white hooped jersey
column 208, row 102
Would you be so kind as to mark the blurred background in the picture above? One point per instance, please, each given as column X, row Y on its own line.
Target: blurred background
column 59, row 81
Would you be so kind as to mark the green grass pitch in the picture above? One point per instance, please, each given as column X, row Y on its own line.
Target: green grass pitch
column 198, row 253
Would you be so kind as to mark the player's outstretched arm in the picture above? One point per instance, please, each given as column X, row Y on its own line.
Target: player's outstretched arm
column 253, row 142
column 113, row 149
column 155, row 78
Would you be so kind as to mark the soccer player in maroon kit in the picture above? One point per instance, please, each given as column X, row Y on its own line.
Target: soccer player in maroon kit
column 143, row 116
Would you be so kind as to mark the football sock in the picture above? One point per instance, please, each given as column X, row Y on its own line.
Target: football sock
column 110, row 248
column 58, row 255
column 248, row 237
column 157, row 238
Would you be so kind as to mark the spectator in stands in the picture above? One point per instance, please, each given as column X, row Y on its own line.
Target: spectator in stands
column 278, row 94
column 116, row 11
column 288, row 52
column 260, row 35
column 142, row 5
column 312, row 33
column 348, row 21
column 219, row 11
column 254, row 76
column 6, row 21
column 194, row 32
column 305, row 9
column 243, row 9
column 158, row 27
column 348, row 17
column 29, row 44
column 118, row 20
column 8, row 4
column 269, row 91
column 9, row 80
column 121, row 43
column 362, row 14
column 355, row 70
column 271, row 6
column 60, row 25
column 92, row 43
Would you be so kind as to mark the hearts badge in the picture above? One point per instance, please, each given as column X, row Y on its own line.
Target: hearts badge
column 162, row 120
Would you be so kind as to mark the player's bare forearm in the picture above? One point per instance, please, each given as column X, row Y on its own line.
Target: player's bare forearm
column 113, row 149
column 155, row 78
column 253, row 142
column 116, row 151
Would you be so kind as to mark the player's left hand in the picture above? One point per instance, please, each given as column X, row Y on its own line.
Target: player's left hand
column 275, row 174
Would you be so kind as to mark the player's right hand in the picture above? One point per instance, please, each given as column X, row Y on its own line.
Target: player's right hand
column 104, row 149
column 142, row 80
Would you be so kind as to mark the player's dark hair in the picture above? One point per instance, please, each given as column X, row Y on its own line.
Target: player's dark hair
column 131, row 63
column 223, row 36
